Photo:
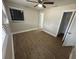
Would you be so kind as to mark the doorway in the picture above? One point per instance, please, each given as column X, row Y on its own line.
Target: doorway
column 64, row 23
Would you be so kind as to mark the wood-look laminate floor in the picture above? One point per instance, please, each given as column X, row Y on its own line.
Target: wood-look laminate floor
column 39, row 45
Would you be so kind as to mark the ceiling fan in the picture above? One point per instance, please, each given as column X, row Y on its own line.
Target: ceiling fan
column 41, row 3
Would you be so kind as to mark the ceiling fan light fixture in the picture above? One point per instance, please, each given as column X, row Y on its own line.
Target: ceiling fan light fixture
column 40, row 5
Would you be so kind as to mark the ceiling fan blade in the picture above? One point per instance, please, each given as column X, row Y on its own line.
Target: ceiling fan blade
column 36, row 5
column 44, row 6
column 32, row 1
column 48, row 3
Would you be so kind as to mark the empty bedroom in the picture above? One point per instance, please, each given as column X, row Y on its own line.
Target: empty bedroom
column 39, row 29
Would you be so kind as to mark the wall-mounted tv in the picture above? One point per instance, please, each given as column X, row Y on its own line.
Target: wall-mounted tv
column 16, row 15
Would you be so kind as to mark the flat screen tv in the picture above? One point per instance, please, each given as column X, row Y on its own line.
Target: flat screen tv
column 17, row 15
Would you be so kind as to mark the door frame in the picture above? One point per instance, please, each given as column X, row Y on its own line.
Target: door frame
column 71, row 18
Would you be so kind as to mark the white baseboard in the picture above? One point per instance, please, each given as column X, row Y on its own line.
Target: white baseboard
column 35, row 29
column 25, row 30
column 48, row 32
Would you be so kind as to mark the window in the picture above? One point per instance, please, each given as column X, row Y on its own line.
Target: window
column 16, row 14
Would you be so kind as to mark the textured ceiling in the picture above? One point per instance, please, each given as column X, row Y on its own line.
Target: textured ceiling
column 29, row 4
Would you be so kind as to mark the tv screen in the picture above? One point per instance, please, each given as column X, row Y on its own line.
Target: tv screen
column 16, row 14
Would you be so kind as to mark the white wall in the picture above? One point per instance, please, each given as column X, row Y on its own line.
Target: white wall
column 53, row 17
column 41, row 19
column 7, row 41
column 31, row 19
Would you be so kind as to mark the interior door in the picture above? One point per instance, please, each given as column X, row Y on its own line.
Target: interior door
column 70, row 39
